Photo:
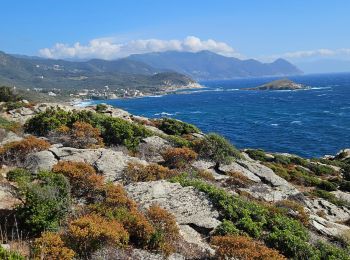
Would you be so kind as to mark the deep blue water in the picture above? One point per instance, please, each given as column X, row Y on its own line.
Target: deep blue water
column 309, row 123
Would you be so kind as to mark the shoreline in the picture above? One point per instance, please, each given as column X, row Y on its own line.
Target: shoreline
column 170, row 91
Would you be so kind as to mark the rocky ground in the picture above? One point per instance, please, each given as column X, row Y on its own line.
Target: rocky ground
column 196, row 215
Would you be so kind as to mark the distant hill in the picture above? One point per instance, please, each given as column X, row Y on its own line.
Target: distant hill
column 24, row 71
column 206, row 65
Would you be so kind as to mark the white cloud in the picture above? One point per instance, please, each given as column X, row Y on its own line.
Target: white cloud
column 309, row 54
column 108, row 48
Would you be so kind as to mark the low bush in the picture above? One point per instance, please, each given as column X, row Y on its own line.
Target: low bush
column 175, row 127
column 216, row 148
column 15, row 153
column 327, row 251
column 20, row 175
column 226, row 228
column 238, row 179
column 7, row 95
column 114, row 131
column 9, row 125
column 294, row 210
column 327, row 186
column 81, row 135
column 82, row 177
column 179, row 157
column 46, row 202
column 331, row 198
column 136, row 172
column 291, row 245
column 166, row 230
column 10, row 255
column 258, row 154
column 100, row 108
column 90, row 232
column 241, row 247
column 178, row 141
column 345, row 186
column 51, row 246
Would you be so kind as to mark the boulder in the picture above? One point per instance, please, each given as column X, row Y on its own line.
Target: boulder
column 330, row 211
column 108, row 162
column 342, row 195
column 43, row 160
column 209, row 167
column 189, row 206
column 328, row 228
column 8, row 200
column 10, row 137
column 235, row 167
column 151, row 148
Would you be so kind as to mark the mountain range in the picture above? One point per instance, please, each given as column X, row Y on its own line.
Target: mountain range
column 151, row 70
column 206, row 65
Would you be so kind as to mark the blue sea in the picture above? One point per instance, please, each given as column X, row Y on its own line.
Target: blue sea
column 309, row 123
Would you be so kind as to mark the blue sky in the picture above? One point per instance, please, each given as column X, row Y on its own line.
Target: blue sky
column 264, row 29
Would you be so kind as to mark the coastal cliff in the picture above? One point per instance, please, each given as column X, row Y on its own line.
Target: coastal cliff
column 142, row 188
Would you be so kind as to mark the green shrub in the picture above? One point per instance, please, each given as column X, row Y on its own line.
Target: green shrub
column 258, row 154
column 9, row 255
column 100, row 108
column 46, row 202
column 329, row 252
column 175, row 127
column 216, row 148
column 14, row 105
column 177, row 141
column 327, row 186
column 19, row 175
column 226, row 228
column 114, row 131
column 7, row 95
column 331, row 198
column 291, row 245
column 9, row 125
column 345, row 186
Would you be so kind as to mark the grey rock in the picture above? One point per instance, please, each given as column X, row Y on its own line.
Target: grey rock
column 331, row 211
column 209, row 167
column 342, row 195
column 43, row 160
column 8, row 199
column 193, row 237
column 188, row 205
column 151, row 148
column 108, row 162
column 235, row 167
column 328, row 228
column 10, row 137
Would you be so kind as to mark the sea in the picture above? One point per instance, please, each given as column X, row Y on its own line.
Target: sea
column 309, row 123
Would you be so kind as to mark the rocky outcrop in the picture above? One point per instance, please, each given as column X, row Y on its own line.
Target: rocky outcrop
column 9, row 137
column 151, row 149
column 235, row 167
column 328, row 228
column 194, row 213
column 209, row 167
column 109, row 163
column 8, row 200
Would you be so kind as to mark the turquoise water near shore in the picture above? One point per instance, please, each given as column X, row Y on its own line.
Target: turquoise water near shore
column 308, row 123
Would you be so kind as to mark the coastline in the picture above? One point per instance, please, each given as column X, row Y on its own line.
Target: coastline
column 166, row 91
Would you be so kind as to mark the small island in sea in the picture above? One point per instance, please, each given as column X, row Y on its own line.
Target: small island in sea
column 280, row 84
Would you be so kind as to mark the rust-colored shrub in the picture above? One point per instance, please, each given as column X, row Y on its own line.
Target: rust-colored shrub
column 82, row 177
column 167, row 231
column 243, row 248
column 51, row 246
column 16, row 152
column 179, row 157
column 206, row 175
column 81, row 135
column 115, row 196
column 297, row 210
column 89, row 233
column 238, row 179
column 136, row 172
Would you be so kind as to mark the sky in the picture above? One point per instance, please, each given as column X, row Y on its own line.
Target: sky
column 299, row 30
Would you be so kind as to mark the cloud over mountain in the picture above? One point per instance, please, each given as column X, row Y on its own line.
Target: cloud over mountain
column 109, row 48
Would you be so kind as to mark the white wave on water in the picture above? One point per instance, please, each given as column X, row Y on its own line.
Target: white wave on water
column 274, row 124
column 164, row 114
column 155, row 96
column 318, row 88
column 321, row 95
column 83, row 103
column 296, row 122
column 196, row 112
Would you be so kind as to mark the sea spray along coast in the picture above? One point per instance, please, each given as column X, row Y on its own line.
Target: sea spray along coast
column 155, row 130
